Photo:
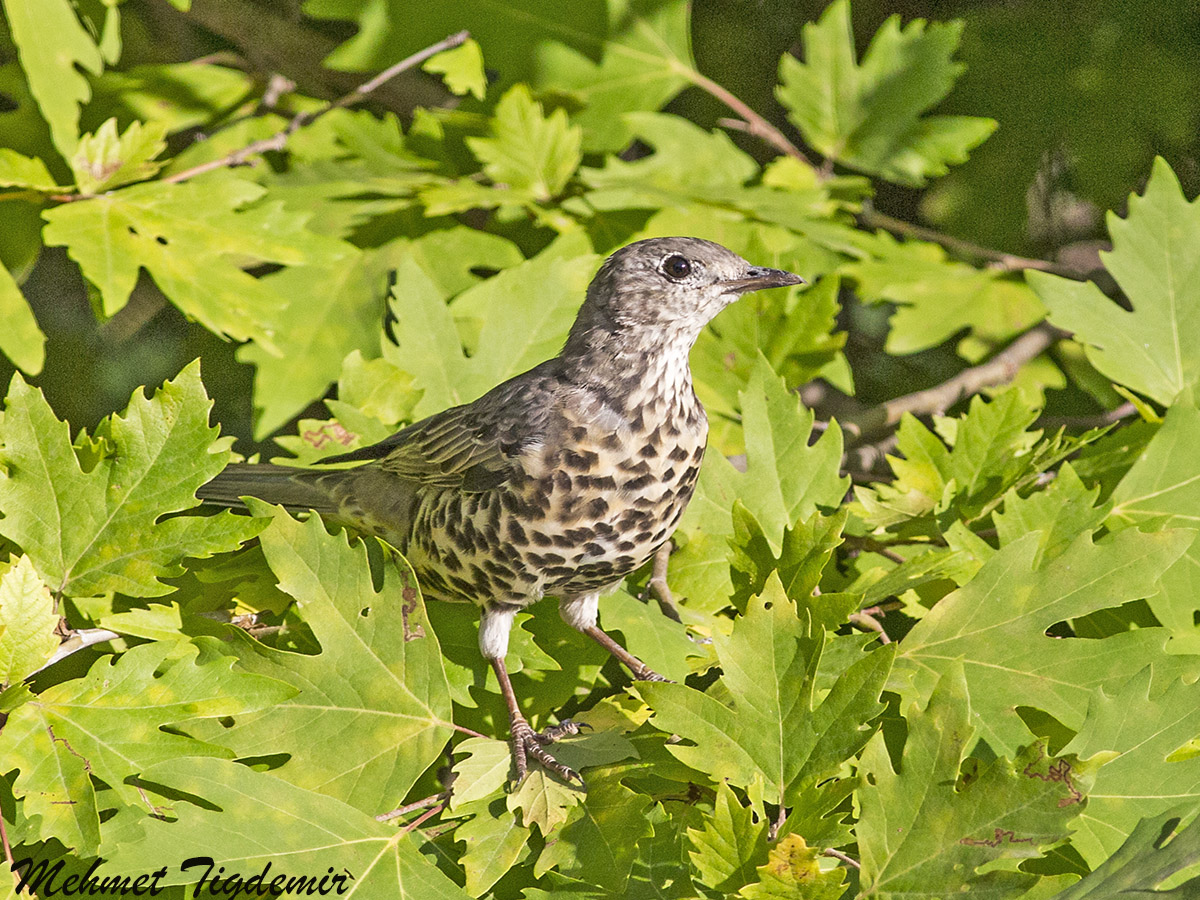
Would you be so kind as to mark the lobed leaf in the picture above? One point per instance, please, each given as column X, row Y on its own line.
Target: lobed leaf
column 97, row 528
column 869, row 116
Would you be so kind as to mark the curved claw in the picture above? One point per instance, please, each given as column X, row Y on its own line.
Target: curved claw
column 528, row 743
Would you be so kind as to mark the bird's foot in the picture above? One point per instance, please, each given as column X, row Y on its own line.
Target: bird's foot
column 528, row 743
column 565, row 728
column 645, row 673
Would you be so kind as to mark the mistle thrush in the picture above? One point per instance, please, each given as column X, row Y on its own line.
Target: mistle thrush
column 559, row 481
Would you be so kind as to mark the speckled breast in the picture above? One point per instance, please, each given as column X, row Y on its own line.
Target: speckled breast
column 579, row 517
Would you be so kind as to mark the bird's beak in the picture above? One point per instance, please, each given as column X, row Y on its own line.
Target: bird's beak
column 758, row 278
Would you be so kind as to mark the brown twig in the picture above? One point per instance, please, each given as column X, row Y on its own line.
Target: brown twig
column 466, row 730
column 1110, row 417
column 838, row 854
column 858, row 543
column 1000, row 369
column 865, row 620
column 413, row 807
column 8, row 857
column 863, row 462
column 777, row 823
column 279, row 139
column 1007, row 261
column 752, row 122
column 417, row 822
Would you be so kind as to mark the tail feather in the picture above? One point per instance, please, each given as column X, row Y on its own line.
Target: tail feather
column 295, row 489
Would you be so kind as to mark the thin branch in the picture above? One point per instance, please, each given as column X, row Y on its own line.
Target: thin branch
column 859, row 543
column 838, row 854
column 1007, row 261
column 752, row 122
column 466, row 730
column 279, row 139
column 865, row 619
column 777, row 823
column 1110, row 417
column 416, row 823
column 1000, row 369
column 8, row 857
column 413, row 807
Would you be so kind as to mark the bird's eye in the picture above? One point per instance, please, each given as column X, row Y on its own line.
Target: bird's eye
column 676, row 267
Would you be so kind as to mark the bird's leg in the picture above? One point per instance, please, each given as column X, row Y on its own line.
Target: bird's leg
column 494, row 627
column 580, row 612
column 526, row 741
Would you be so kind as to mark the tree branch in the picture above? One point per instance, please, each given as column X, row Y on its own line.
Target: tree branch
column 1009, row 262
column 1000, row 369
column 279, row 139
column 413, row 807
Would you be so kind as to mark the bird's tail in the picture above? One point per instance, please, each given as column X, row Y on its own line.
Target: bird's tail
column 295, row 489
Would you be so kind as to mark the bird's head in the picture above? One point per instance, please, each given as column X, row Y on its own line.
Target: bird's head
column 677, row 284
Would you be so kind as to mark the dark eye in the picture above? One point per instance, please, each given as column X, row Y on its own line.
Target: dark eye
column 676, row 267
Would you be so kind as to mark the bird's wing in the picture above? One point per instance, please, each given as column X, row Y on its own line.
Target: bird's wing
column 451, row 450
column 474, row 447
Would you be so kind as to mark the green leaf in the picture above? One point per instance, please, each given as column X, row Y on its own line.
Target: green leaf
column 770, row 727
column 730, row 845
column 528, row 149
column 645, row 59
column 461, row 68
column 21, row 340
column 1155, row 850
column 521, row 317
column 869, row 116
column 990, row 450
column 109, row 724
column 937, row 298
column 794, row 329
column 1162, row 484
column 25, row 171
column 495, row 841
column 262, row 821
column 661, row 643
column 689, row 163
column 785, row 480
column 481, row 773
column 103, row 160
column 53, row 46
column 374, row 708
column 1155, row 348
column 792, row 871
column 95, row 530
column 546, row 800
column 335, row 307
column 27, row 622
column 599, row 840
column 1161, row 489
column 1061, row 512
column 512, row 35
column 175, row 95
column 926, row 830
column 995, row 628
column 807, row 548
column 1136, row 728
column 193, row 239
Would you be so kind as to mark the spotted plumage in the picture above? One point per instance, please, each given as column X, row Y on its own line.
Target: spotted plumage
column 560, row 481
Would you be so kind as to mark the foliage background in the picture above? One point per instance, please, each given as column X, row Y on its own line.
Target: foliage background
column 941, row 183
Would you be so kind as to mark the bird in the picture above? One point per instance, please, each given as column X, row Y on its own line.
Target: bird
column 561, row 480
